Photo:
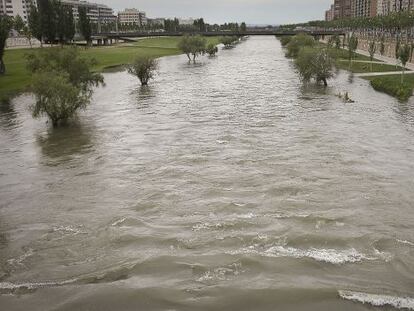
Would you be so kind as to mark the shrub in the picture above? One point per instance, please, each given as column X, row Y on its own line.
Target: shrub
column 143, row 67
column 228, row 41
column 334, row 41
column 402, row 91
column 62, row 82
column 284, row 40
column 211, row 49
column 315, row 63
column 297, row 43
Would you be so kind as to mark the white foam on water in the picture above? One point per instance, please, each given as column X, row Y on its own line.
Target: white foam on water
column 324, row 255
column 69, row 230
column 379, row 300
column 386, row 256
column 405, row 242
column 35, row 285
column 221, row 142
column 332, row 256
column 222, row 273
column 118, row 222
column 19, row 261
column 247, row 216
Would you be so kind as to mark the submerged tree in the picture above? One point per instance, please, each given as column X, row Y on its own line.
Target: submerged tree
column 211, row 49
column 228, row 41
column 315, row 63
column 192, row 46
column 6, row 23
column 62, row 83
column 143, row 67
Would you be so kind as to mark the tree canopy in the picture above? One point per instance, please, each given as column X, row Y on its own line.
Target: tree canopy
column 315, row 63
column 85, row 24
column 6, row 24
column 192, row 46
column 143, row 67
column 62, row 82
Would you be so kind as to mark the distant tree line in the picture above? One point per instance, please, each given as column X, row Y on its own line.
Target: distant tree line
column 394, row 24
column 173, row 25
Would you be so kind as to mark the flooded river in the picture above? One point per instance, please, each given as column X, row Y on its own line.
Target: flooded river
column 224, row 185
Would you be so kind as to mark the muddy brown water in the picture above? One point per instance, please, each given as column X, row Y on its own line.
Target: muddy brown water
column 224, row 185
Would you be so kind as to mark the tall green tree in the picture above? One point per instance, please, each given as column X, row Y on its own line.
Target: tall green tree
column 66, row 26
column 61, row 25
column 372, row 48
column 200, row 25
column 48, row 20
column 69, row 24
column 404, row 56
column 243, row 27
column 382, row 46
column 34, row 23
column 6, row 24
column 352, row 47
column 85, row 25
column 18, row 24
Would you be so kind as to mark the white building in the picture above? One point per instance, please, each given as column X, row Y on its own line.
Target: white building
column 96, row 12
column 186, row 21
column 386, row 7
column 13, row 8
column 132, row 17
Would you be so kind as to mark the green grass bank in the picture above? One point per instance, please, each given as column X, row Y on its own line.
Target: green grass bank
column 17, row 78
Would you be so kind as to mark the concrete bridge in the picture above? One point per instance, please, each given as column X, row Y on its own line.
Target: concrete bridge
column 107, row 38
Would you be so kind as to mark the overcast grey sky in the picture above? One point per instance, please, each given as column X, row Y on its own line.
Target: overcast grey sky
column 218, row 11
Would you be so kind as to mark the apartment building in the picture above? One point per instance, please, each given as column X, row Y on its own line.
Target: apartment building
column 342, row 9
column 364, row 8
column 402, row 5
column 97, row 13
column 330, row 14
column 368, row 8
column 132, row 17
column 16, row 7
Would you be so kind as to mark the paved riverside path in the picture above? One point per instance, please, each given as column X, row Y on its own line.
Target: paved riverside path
column 386, row 59
column 375, row 74
column 383, row 60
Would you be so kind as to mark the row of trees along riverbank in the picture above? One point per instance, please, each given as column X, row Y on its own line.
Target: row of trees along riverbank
column 318, row 62
column 388, row 31
column 63, row 80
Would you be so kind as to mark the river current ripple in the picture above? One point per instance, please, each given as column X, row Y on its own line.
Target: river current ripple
column 224, row 185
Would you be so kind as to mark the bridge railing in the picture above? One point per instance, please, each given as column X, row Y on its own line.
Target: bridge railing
column 139, row 34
